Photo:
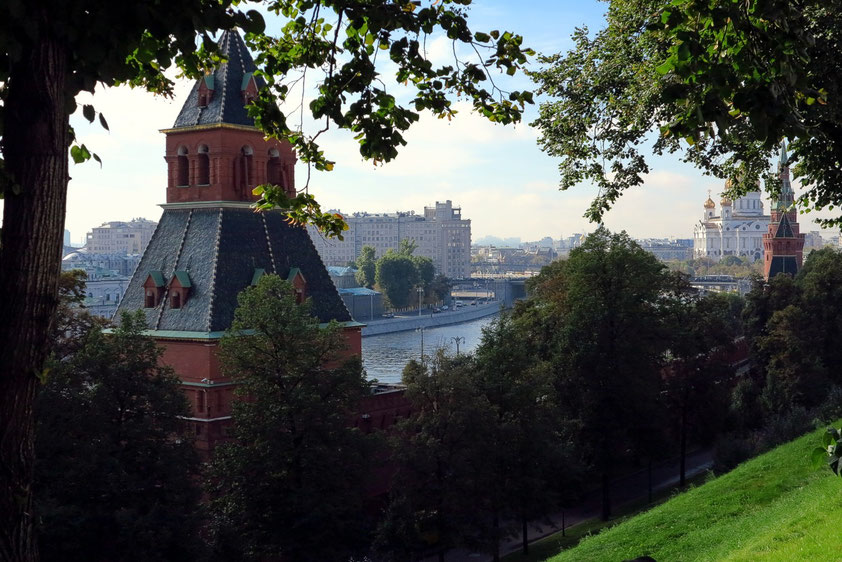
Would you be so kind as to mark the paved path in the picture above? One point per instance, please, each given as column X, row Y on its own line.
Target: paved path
column 623, row 491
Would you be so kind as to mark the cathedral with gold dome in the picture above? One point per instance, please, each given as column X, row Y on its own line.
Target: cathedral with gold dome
column 736, row 231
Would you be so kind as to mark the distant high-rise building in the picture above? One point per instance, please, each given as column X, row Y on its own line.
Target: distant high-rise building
column 66, row 237
column 441, row 234
column 118, row 237
column 783, row 242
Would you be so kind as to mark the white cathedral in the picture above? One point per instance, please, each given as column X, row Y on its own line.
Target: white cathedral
column 736, row 231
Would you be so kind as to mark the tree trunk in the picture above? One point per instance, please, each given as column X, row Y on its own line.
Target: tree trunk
column 682, row 476
column 649, row 478
column 606, row 496
column 496, row 532
column 524, row 533
column 35, row 141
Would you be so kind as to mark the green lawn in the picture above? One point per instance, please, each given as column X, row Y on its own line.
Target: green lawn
column 774, row 507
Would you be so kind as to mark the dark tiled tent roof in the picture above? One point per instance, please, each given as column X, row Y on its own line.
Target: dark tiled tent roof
column 783, row 264
column 784, row 229
column 227, row 83
column 221, row 249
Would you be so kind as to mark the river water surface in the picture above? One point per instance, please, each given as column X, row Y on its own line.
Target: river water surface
column 384, row 356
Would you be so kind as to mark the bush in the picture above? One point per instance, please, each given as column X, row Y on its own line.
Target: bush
column 730, row 450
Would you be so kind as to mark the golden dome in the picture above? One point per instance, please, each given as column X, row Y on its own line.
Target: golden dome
column 725, row 201
column 728, row 183
column 709, row 204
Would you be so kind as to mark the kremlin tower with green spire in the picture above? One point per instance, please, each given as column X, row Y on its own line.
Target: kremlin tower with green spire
column 783, row 244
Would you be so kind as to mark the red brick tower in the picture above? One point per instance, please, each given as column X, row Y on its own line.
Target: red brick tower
column 210, row 244
column 783, row 244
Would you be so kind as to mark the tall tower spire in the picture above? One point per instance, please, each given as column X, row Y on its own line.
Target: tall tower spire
column 214, row 151
column 783, row 244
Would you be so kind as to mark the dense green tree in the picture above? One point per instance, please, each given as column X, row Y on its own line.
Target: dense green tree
column 291, row 482
column 407, row 246
column 397, row 277
column 701, row 334
column 366, row 267
column 115, row 472
column 440, row 452
column 45, row 61
column 530, row 461
column 426, row 273
column 72, row 322
column 790, row 325
column 604, row 301
column 722, row 83
column 440, row 288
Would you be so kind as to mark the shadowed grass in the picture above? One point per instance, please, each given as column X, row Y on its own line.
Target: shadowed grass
column 774, row 507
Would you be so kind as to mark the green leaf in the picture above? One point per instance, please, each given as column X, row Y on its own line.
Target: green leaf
column 665, row 67
column 818, row 457
column 89, row 112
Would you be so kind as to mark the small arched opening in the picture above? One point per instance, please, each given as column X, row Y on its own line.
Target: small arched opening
column 203, row 166
column 246, row 168
column 273, row 168
column 182, row 168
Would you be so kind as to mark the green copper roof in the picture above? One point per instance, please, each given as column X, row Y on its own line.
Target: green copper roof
column 258, row 273
column 246, row 78
column 293, row 271
column 183, row 278
column 209, row 81
column 157, row 277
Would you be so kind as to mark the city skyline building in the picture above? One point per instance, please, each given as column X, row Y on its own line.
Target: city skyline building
column 120, row 237
column 440, row 234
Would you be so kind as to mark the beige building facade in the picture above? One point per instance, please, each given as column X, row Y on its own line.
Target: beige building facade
column 440, row 234
column 118, row 237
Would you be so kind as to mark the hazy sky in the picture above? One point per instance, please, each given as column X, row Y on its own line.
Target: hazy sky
column 498, row 175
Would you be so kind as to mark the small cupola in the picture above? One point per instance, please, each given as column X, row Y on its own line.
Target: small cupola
column 179, row 289
column 153, row 289
column 299, row 284
column 249, row 88
column 206, row 90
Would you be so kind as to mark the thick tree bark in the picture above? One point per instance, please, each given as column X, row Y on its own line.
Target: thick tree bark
column 682, row 476
column 35, row 141
column 606, row 495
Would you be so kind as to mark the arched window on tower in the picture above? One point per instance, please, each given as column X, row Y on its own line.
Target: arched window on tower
column 182, row 168
column 274, row 171
column 247, row 168
column 203, row 166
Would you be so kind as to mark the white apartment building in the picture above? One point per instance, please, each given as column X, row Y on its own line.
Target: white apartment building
column 119, row 237
column 441, row 234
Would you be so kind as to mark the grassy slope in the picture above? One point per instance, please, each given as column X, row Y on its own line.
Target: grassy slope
column 774, row 507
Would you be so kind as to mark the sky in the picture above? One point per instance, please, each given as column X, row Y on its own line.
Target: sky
column 496, row 174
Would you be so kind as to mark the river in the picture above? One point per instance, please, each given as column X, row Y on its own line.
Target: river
column 385, row 355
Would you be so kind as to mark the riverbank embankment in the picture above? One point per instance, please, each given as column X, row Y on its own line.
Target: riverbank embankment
column 427, row 320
